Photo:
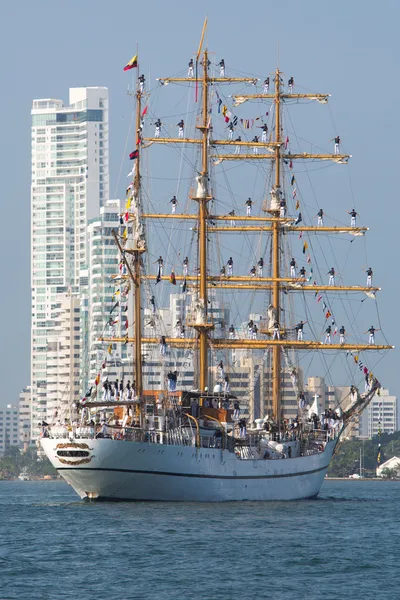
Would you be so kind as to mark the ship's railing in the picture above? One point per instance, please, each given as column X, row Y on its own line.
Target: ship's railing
column 316, row 439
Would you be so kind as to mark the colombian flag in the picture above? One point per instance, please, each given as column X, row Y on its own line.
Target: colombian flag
column 131, row 64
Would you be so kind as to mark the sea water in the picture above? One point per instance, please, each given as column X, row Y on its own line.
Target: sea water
column 346, row 544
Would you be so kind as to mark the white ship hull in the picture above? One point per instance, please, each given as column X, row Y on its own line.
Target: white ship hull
column 125, row 470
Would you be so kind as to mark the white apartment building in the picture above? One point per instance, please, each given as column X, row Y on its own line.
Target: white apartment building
column 103, row 263
column 383, row 412
column 70, row 181
column 63, row 357
column 9, row 427
column 24, row 413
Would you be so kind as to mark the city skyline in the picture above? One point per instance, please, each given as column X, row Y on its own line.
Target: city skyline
column 328, row 75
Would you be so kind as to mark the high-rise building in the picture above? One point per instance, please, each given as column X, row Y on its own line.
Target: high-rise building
column 70, row 181
column 103, row 263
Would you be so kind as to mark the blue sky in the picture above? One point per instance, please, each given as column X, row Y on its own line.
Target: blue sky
column 348, row 49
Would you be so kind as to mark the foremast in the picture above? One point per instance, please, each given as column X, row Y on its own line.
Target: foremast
column 138, row 249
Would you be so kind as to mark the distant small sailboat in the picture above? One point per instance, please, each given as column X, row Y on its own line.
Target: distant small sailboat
column 24, row 475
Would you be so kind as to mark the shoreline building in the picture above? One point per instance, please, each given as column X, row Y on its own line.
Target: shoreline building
column 64, row 358
column 9, row 427
column 70, row 181
column 382, row 413
column 24, row 410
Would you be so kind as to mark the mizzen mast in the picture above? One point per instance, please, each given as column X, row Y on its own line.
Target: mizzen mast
column 202, row 197
column 276, row 351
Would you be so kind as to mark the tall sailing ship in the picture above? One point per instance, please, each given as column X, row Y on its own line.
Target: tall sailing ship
column 198, row 443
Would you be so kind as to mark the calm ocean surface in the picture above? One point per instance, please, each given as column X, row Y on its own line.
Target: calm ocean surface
column 346, row 545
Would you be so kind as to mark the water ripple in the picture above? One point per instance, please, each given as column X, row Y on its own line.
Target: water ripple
column 55, row 547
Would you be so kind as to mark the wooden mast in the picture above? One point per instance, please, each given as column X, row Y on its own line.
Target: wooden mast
column 203, row 297
column 276, row 351
column 137, row 251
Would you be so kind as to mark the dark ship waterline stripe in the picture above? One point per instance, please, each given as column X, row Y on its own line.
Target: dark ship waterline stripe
column 193, row 475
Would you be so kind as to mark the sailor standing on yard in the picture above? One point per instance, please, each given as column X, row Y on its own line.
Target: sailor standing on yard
column 142, row 80
column 277, row 333
column 353, row 215
column 160, row 267
column 157, row 125
column 260, row 266
column 248, row 205
column 250, row 328
column 231, row 332
column 221, row 65
column 266, row 85
column 174, row 204
column 264, row 133
column 255, row 140
column 178, row 327
column 230, row 266
column 237, row 148
column 231, row 129
column 293, row 266
column 331, row 274
column 290, row 85
column 191, row 69
column 299, row 329
column 181, row 127
column 282, row 208
column 328, row 331
column 371, row 331
column 302, row 272
column 337, row 144
column 369, row 273
column 320, row 215
column 185, row 266
column 342, row 333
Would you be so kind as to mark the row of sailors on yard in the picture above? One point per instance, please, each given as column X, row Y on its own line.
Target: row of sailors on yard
column 277, row 333
column 257, row 270
column 282, row 213
column 331, row 282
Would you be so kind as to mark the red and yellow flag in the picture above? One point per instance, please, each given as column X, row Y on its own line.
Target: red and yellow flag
column 131, row 64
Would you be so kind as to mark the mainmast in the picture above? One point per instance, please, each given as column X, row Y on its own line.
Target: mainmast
column 202, row 190
column 276, row 351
